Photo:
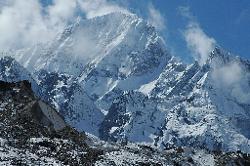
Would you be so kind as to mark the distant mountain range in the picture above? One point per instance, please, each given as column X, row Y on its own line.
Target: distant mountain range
column 113, row 77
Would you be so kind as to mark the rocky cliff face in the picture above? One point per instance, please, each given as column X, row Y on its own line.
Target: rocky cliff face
column 186, row 105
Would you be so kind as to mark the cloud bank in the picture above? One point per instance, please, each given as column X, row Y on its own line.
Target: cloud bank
column 155, row 18
column 233, row 79
column 198, row 42
column 25, row 23
column 93, row 8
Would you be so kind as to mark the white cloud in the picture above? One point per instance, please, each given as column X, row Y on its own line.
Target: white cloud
column 93, row 8
column 228, row 75
column 62, row 10
column 25, row 23
column 233, row 79
column 155, row 18
column 19, row 24
column 197, row 40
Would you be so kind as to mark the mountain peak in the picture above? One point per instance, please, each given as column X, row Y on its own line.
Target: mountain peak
column 219, row 53
column 120, row 14
column 220, row 56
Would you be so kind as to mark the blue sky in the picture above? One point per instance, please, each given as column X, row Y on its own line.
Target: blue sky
column 227, row 21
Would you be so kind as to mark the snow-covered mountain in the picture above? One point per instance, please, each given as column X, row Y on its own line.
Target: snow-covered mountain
column 187, row 105
column 113, row 77
column 105, row 55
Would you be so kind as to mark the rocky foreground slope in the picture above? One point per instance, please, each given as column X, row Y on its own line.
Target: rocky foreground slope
column 33, row 133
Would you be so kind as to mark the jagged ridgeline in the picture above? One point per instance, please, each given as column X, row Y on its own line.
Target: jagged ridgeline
column 33, row 133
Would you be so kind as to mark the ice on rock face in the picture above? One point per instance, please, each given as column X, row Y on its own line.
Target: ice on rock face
column 63, row 92
column 117, row 37
column 134, row 117
column 134, row 57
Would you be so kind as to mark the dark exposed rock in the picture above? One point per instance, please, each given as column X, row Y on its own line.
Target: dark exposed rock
column 26, row 129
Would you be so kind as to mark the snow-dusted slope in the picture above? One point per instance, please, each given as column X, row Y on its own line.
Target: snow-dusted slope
column 189, row 106
column 209, row 113
column 12, row 71
column 60, row 90
column 70, row 99
column 105, row 55
column 132, row 117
